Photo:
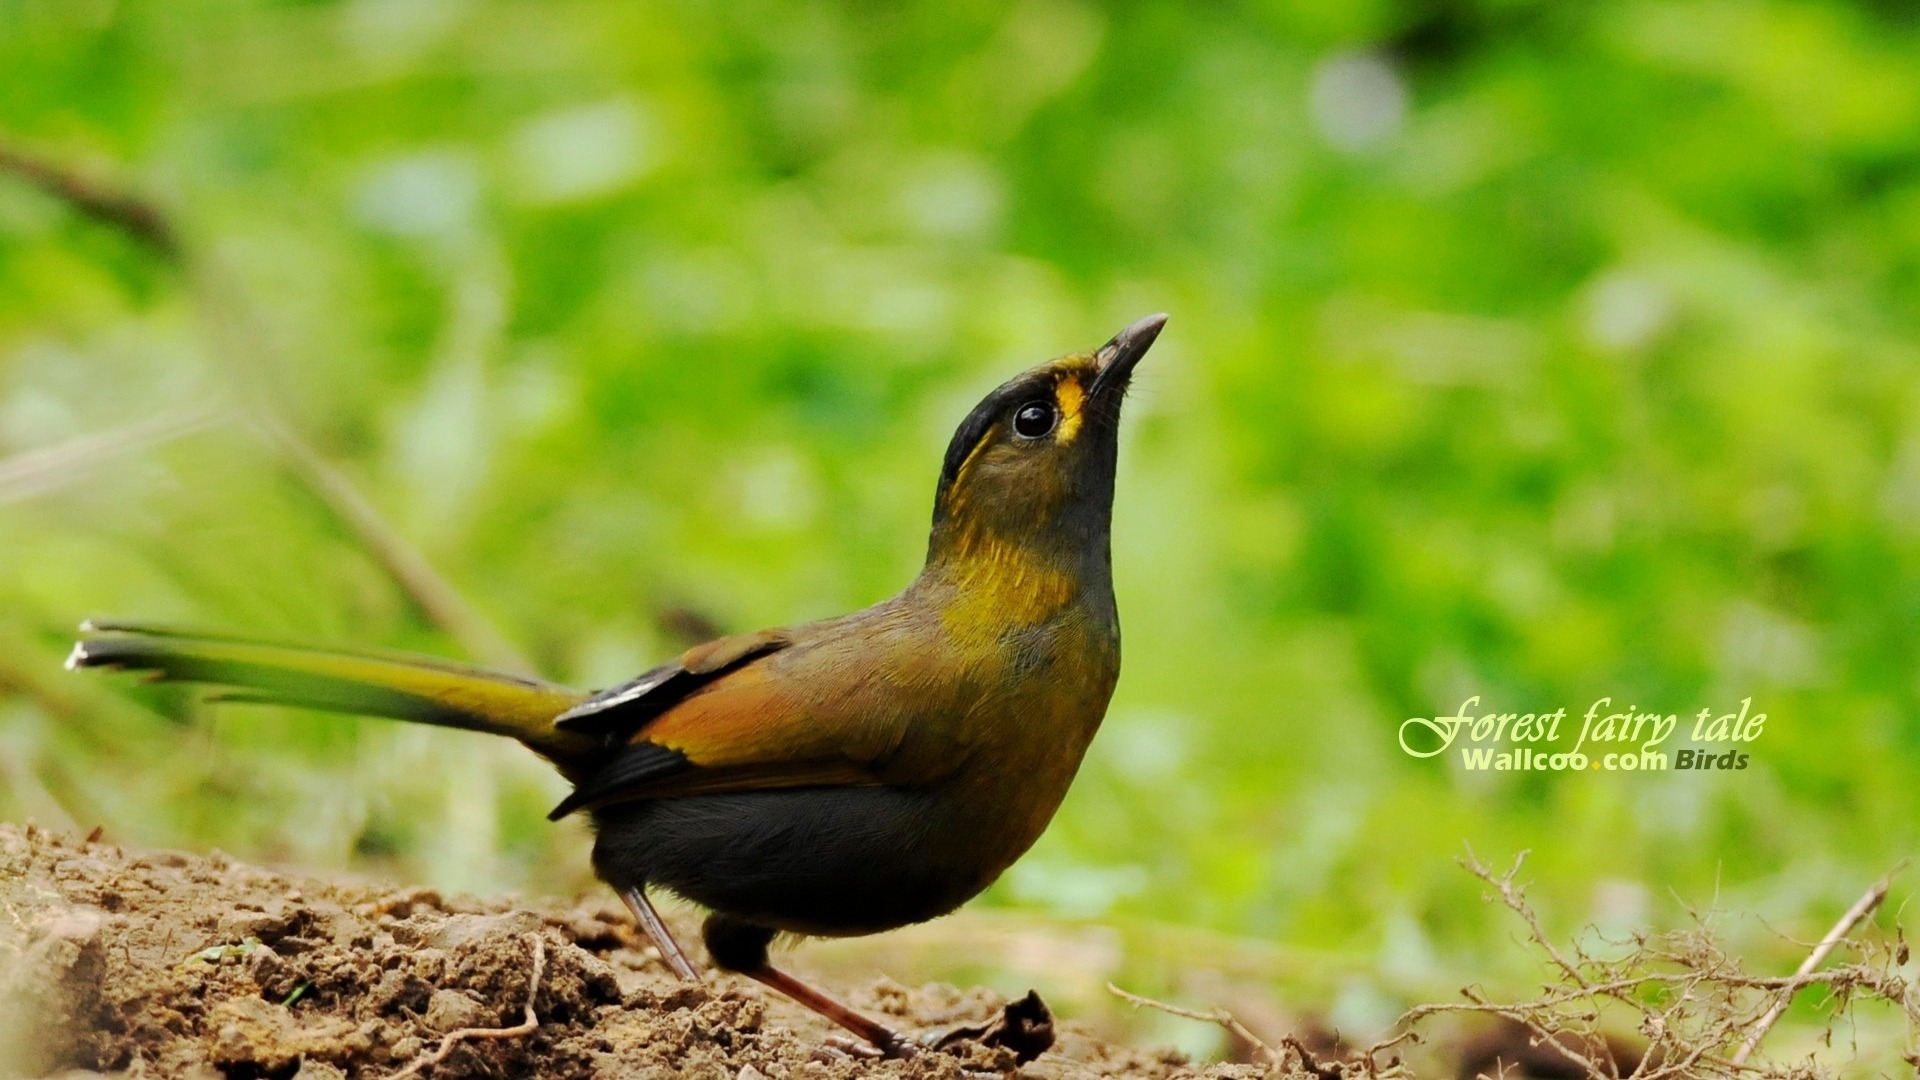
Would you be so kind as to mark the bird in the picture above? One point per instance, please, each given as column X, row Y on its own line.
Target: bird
column 835, row 778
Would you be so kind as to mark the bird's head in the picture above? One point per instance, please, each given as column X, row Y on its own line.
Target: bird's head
column 1032, row 465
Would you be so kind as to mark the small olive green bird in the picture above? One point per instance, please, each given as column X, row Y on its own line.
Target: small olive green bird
column 836, row 778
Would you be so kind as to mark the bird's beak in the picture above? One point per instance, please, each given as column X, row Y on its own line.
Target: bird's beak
column 1116, row 358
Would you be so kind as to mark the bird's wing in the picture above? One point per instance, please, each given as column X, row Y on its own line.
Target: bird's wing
column 623, row 709
column 828, row 712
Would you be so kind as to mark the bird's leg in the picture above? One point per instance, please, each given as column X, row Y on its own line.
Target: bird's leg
column 890, row 1044
column 656, row 928
column 742, row 946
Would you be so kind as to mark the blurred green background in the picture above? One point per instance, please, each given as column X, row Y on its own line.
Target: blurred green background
column 1537, row 351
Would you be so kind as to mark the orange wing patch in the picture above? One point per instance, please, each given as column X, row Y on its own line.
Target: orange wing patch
column 752, row 726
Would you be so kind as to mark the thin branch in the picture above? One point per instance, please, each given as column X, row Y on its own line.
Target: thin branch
column 1511, row 897
column 527, row 1026
column 1220, row 1017
column 236, row 346
column 1373, row 1052
column 1786, row 984
column 1871, row 899
column 130, row 214
column 1517, row 903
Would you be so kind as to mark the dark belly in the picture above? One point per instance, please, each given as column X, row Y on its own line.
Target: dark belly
column 827, row 861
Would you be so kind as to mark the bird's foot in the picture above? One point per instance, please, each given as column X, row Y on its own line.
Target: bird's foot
column 892, row 1047
column 1024, row 1027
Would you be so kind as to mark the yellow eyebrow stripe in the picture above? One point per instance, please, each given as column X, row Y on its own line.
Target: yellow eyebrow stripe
column 1071, row 397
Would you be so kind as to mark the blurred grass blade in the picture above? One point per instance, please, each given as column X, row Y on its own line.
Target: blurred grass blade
column 37, row 472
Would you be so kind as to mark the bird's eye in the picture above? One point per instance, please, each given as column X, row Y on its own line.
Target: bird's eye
column 1035, row 419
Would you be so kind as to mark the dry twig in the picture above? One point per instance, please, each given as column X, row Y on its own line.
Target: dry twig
column 1691, row 997
column 1868, row 902
column 1221, row 1017
column 1510, row 895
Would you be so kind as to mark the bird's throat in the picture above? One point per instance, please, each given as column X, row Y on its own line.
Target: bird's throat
column 993, row 584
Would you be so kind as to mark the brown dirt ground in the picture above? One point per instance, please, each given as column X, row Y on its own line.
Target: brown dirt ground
column 160, row 964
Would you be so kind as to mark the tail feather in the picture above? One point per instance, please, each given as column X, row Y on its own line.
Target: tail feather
column 370, row 683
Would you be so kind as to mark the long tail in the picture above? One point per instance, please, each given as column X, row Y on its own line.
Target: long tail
column 368, row 683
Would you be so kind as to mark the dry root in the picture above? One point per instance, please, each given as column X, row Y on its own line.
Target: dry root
column 527, row 1026
column 1700, row 1012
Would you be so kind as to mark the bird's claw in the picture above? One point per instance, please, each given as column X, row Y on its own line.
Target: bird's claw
column 861, row 1049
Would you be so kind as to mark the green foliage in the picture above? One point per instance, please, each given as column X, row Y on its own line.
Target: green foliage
column 1543, row 352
